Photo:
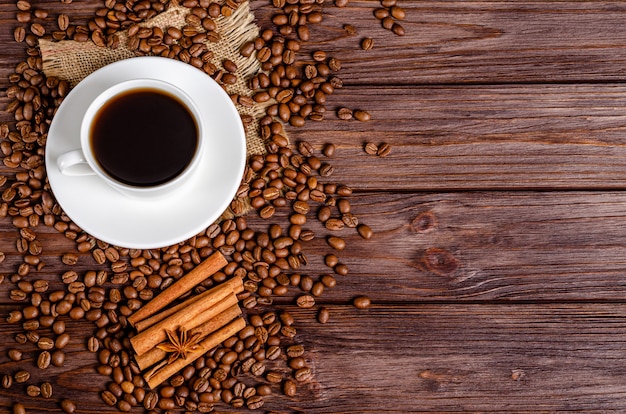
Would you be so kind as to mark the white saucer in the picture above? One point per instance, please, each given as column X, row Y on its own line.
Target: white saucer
column 142, row 224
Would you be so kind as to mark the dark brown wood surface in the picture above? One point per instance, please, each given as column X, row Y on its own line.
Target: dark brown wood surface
column 507, row 124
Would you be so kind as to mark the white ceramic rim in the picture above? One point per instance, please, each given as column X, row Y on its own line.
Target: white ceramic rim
column 128, row 86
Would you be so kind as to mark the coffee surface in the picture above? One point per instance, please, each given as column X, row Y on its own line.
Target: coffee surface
column 144, row 137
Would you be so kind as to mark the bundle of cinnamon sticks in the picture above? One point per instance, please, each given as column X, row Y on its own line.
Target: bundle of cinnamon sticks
column 170, row 337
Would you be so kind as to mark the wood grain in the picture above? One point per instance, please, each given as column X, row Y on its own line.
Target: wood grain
column 497, row 266
column 423, row 358
column 482, row 246
column 522, row 137
column 447, row 42
column 451, row 42
column 479, row 137
column 459, row 358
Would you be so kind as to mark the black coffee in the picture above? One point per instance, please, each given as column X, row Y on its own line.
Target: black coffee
column 144, row 137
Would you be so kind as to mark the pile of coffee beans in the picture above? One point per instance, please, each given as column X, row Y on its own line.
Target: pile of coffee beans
column 288, row 186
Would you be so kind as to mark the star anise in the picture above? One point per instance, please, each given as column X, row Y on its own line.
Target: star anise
column 180, row 345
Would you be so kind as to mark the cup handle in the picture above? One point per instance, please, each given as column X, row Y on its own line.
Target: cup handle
column 74, row 164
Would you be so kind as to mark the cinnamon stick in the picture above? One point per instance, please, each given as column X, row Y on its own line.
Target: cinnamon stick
column 205, row 269
column 156, row 355
column 156, row 376
column 189, row 317
column 235, row 283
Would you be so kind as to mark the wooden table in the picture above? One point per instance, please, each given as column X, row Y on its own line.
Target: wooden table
column 497, row 267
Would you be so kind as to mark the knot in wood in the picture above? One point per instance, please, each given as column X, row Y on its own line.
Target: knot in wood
column 424, row 222
column 439, row 261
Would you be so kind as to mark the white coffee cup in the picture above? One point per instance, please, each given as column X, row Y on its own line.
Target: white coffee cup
column 83, row 161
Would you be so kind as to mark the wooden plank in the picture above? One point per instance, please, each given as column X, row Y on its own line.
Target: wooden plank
column 461, row 42
column 481, row 246
column 478, row 137
column 446, row 42
column 444, row 358
column 404, row 359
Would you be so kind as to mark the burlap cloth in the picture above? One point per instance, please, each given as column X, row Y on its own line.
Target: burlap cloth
column 73, row 61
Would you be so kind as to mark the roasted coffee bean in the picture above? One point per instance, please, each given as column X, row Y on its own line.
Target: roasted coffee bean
column 40, row 286
column 297, row 363
column 367, row 43
column 305, row 301
column 397, row 12
column 336, row 243
column 124, row 406
column 37, row 29
column 263, row 390
column 58, row 327
column 361, row 302
column 341, row 269
column 365, row 231
column 30, row 312
column 334, row 64
column 33, row 391
column 323, row 214
column 151, row 400
column 319, row 56
column 371, row 148
column 63, row 21
column 257, row 369
column 387, row 22
column 46, row 343
column 362, row 116
column 69, row 276
column 326, row 170
column 99, row 256
column 398, row 29
column 46, row 390
column 44, row 359
column 19, row 34
column 108, row 398
column 58, row 358
column 14, row 317
column 323, row 315
column 329, row 150
column 303, row 374
column 68, row 406
column 383, row 150
column 343, row 205
column 31, row 325
column 305, row 148
column 350, row 220
column 317, row 289
column 289, row 388
column 329, row 281
column 14, row 354
column 21, row 376
column 17, row 295
column 61, row 341
column 344, row 114
column 247, row 49
column 19, row 408
column 267, row 212
column 334, row 224
column 7, row 381
column 255, row 402
column 23, row 17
